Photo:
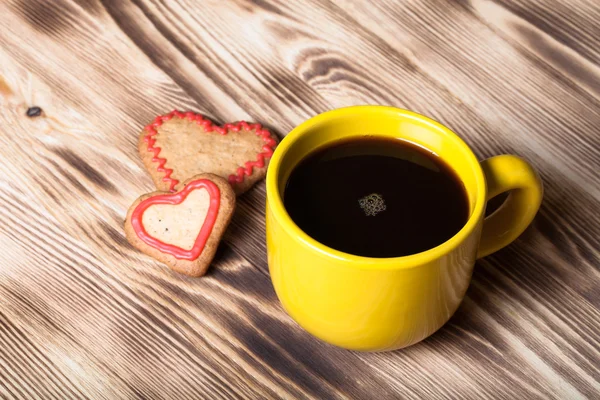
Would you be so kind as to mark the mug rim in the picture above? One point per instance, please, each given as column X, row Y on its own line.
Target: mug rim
column 275, row 201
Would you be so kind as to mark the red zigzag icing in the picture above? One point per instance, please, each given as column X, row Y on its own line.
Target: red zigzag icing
column 241, row 172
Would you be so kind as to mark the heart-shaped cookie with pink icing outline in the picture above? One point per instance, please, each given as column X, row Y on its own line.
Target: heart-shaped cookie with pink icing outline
column 182, row 229
column 179, row 145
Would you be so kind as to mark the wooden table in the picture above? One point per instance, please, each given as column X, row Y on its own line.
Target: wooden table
column 84, row 315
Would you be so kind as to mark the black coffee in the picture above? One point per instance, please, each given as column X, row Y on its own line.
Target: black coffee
column 376, row 197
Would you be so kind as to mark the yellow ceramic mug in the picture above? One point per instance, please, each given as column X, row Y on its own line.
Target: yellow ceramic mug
column 378, row 304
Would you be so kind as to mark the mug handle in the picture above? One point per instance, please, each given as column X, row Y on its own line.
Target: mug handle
column 509, row 173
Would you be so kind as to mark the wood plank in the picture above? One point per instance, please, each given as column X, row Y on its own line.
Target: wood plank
column 85, row 315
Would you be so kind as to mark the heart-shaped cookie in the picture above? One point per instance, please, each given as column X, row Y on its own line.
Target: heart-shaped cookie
column 178, row 145
column 182, row 229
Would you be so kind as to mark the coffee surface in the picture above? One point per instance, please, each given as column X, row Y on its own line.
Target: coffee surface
column 376, row 197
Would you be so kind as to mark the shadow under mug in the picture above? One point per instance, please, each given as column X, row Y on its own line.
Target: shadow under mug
column 378, row 304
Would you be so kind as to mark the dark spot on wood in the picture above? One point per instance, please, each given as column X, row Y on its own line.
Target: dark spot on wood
column 581, row 241
column 251, row 280
column 74, row 181
column 322, row 66
column 117, row 236
column 560, row 31
column 35, row 304
column 464, row 325
column 246, row 277
column 267, row 352
column 295, row 353
column 47, row 190
column 126, row 22
column 290, row 89
column 222, row 254
column 87, row 170
column 34, row 111
column 266, row 6
column 155, row 315
column 548, row 228
column 560, row 58
column 322, row 359
column 248, row 222
column 47, row 17
column 139, row 395
column 467, row 335
column 570, row 247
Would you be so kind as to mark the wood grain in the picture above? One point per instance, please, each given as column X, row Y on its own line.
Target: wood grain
column 83, row 315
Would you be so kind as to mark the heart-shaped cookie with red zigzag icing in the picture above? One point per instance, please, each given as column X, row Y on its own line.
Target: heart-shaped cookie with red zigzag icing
column 179, row 145
column 182, row 229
